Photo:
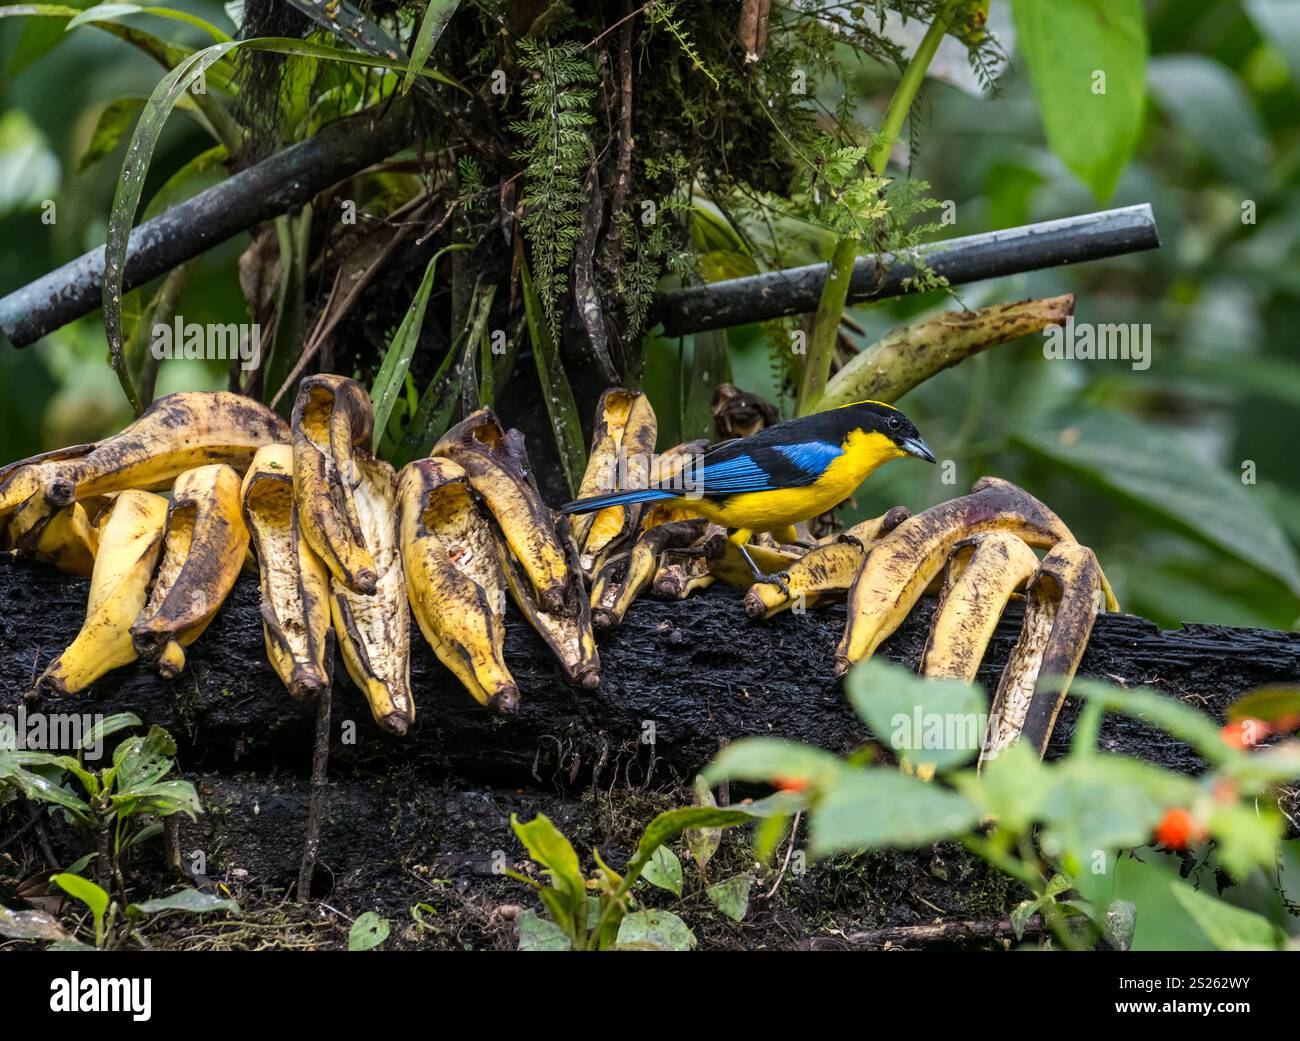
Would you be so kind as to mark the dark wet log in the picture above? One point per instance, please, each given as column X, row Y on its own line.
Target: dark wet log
column 679, row 680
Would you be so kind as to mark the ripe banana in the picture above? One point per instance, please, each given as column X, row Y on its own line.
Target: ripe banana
column 294, row 582
column 63, row 536
column 624, row 424
column 983, row 572
column 454, row 579
column 374, row 630
column 902, row 564
column 129, row 544
column 621, row 580
column 203, row 551
column 568, row 635
column 498, row 472
column 1063, row 599
column 174, row 434
column 333, row 424
column 823, row 573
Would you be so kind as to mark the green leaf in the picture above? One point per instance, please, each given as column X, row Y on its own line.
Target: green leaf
column 109, row 12
column 710, row 367
column 30, row 925
column 433, row 414
column 86, row 891
column 664, row 870
column 1278, row 21
column 107, row 726
column 939, row 721
column 190, row 900
column 541, row 934
column 367, row 932
column 1246, row 836
column 874, row 807
column 1174, row 717
column 773, row 760
column 662, row 930
column 1156, row 471
column 731, row 896
column 549, row 848
column 1228, row 928
column 1119, row 924
column 1268, row 703
column 436, row 16
column 1020, row 916
column 1064, row 43
column 703, row 842
column 556, row 391
column 113, row 123
column 1214, row 111
column 40, row 35
column 164, row 799
column 397, row 358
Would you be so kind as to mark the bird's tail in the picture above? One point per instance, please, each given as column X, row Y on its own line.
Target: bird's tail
column 599, row 502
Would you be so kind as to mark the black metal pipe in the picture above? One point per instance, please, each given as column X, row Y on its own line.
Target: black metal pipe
column 277, row 185
column 973, row 258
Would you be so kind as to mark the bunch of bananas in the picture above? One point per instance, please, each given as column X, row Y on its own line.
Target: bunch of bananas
column 344, row 547
column 975, row 553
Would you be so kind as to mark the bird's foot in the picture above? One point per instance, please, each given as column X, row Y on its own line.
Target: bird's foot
column 780, row 579
column 851, row 540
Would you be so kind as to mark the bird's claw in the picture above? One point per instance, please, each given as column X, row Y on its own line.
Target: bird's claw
column 851, row 540
column 780, row 579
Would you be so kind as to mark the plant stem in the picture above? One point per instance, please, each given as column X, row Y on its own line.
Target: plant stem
column 835, row 291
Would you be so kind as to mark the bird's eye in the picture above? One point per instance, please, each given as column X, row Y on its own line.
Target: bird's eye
column 893, row 422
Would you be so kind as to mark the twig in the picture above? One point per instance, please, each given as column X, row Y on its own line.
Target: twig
column 943, row 932
column 319, row 782
column 789, row 851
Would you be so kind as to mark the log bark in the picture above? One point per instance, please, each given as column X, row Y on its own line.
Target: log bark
column 679, row 680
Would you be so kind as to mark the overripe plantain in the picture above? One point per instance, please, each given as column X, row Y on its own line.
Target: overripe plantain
column 333, row 424
column 621, row 459
column 64, row 536
column 454, row 579
column 682, row 572
column 374, row 630
column 825, row 572
column 903, row 563
column 668, row 466
column 1063, row 599
column 174, row 434
column 983, row 572
column 203, row 551
column 479, row 445
column 622, row 579
column 129, row 545
column 294, row 582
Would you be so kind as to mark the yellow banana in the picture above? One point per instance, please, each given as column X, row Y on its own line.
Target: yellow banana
column 569, row 636
column 823, row 573
column 374, row 630
column 129, row 544
column 984, row 571
column 203, row 551
column 621, row 580
column 333, row 424
column 63, row 536
column 453, row 578
column 497, row 469
column 903, row 563
column 294, row 582
column 174, row 434
column 622, row 458
column 1063, row 599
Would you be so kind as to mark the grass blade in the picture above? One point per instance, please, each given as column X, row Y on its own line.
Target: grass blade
column 436, row 17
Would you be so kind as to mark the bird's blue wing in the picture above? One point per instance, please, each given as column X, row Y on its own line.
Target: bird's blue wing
column 762, row 468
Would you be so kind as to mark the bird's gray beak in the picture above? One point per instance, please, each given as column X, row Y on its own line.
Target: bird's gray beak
column 917, row 447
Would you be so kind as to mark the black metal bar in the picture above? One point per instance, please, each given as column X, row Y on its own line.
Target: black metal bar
column 973, row 258
column 268, row 189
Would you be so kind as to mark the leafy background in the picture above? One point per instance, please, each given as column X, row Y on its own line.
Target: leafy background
column 1146, row 466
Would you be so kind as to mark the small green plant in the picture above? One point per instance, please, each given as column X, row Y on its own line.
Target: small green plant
column 1054, row 827
column 368, row 932
column 601, row 912
column 121, row 806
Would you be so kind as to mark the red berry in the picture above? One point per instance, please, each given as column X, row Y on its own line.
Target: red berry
column 1178, row 829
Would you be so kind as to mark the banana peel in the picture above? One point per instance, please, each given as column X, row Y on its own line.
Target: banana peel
column 130, row 543
column 622, row 446
column 293, row 580
column 497, row 470
column 622, row 579
column 822, row 574
column 333, row 425
column 1063, row 599
column 203, row 551
column 176, row 433
column 373, row 630
column 902, row 564
column 454, row 579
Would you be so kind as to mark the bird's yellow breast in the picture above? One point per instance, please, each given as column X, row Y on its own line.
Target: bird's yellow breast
column 766, row 511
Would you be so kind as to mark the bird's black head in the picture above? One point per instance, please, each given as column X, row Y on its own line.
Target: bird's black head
column 877, row 417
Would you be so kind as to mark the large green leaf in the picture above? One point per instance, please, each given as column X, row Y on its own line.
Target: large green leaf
column 1064, row 43
column 655, row 930
column 90, row 894
column 437, row 14
column 877, row 806
column 1155, row 470
column 936, row 721
column 1279, row 22
column 192, row 901
column 1229, row 928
